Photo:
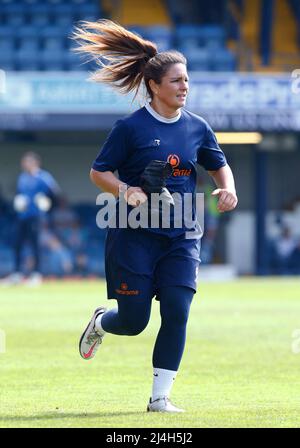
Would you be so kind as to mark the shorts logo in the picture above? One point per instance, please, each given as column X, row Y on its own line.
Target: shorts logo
column 125, row 292
column 173, row 160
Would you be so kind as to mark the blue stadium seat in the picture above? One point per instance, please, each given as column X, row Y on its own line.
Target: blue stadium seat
column 40, row 18
column 75, row 63
column 28, row 60
column 223, row 61
column 213, row 36
column 137, row 29
column 28, row 37
column 7, row 61
column 55, row 2
column 7, row 44
column 189, row 36
column 7, row 30
column 88, row 11
column 161, row 35
column 63, row 8
column 64, row 20
column 53, row 38
column 17, row 5
column 198, row 59
column 14, row 14
column 63, row 14
column 7, row 39
column 32, row 3
column 27, row 31
column 29, row 43
column 81, row 2
column 53, row 60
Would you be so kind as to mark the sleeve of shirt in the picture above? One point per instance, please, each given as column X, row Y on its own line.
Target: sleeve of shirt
column 19, row 185
column 50, row 183
column 210, row 155
column 115, row 150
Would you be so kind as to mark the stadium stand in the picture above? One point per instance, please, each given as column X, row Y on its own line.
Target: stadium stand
column 285, row 52
column 196, row 31
column 70, row 242
column 267, row 34
column 218, row 35
column 35, row 34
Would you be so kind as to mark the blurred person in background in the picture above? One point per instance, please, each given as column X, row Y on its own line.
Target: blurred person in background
column 58, row 257
column 283, row 252
column 36, row 190
column 63, row 216
column 75, row 239
column 3, row 204
column 72, row 234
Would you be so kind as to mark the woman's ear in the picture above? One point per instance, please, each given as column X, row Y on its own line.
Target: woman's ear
column 153, row 86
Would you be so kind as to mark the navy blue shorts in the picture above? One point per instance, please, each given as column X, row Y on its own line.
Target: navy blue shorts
column 139, row 263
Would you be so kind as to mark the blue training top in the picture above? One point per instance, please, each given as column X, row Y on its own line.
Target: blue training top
column 30, row 185
column 145, row 135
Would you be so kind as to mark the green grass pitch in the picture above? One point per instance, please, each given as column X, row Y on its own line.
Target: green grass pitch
column 240, row 367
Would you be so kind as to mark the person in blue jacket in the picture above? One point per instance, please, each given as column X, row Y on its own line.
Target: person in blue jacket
column 145, row 262
column 36, row 189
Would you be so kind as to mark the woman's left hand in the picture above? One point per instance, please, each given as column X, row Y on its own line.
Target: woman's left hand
column 227, row 199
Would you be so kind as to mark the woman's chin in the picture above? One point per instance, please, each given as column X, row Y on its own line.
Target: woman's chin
column 181, row 103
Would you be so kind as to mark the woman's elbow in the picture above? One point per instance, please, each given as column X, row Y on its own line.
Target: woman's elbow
column 99, row 178
column 92, row 175
column 95, row 176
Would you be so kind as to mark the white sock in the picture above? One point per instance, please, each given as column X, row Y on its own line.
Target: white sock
column 98, row 325
column 163, row 380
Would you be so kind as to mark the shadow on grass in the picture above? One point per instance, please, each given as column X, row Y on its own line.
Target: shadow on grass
column 58, row 415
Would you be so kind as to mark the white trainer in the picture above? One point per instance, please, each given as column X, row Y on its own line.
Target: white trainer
column 15, row 278
column 34, row 280
column 162, row 404
column 91, row 338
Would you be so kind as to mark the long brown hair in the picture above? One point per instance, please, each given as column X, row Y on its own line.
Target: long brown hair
column 126, row 59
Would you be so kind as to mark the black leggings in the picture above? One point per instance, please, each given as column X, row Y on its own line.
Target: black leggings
column 132, row 316
column 28, row 230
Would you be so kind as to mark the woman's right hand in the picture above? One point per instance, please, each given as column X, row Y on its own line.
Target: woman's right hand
column 135, row 196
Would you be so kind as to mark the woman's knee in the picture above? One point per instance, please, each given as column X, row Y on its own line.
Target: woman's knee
column 178, row 316
column 175, row 305
column 134, row 318
column 133, row 327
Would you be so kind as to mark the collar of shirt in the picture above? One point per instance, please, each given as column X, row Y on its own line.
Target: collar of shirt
column 160, row 117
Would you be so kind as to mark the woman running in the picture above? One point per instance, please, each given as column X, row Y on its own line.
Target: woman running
column 155, row 147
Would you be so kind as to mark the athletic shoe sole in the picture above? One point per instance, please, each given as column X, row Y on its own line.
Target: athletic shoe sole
column 91, row 353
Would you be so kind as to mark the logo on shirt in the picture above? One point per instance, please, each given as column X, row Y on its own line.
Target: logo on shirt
column 183, row 172
column 173, row 160
column 156, row 142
